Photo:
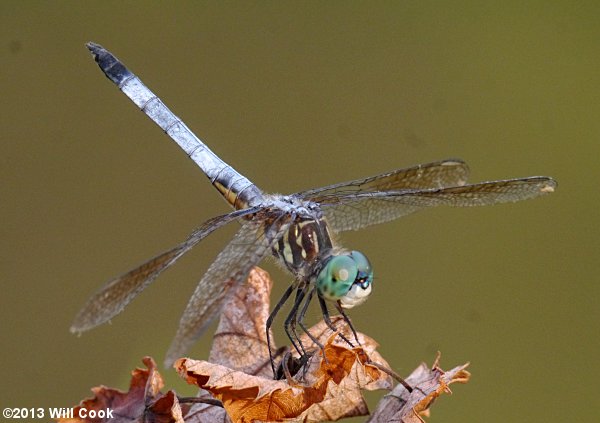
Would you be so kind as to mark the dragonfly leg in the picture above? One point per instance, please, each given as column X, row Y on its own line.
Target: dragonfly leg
column 301, row 315
column 290, row 321
column 296, row 316
column 328, row 322
column 340, row 310
column 300, row 293
column 269, row 323
column 290, row 365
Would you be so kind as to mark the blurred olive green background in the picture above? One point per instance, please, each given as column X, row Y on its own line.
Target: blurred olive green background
column 298, row 95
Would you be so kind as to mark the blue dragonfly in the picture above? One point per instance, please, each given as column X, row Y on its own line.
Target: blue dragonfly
column 296, row 229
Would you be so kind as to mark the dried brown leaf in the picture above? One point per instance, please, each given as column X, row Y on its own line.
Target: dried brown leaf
column 239, row 374
column 143, row 402
column 368, row 346
column 201, row 413
column 428, row 384
column 240, row 341
column 329, row 389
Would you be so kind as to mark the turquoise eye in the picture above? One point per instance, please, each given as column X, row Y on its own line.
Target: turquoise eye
column 363, row 284
column 337, row 277
column 347, row 278
column 365, row 271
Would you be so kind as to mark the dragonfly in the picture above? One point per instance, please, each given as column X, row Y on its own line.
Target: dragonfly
column 298, row 230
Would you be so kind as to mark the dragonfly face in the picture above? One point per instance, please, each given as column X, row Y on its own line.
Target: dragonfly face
column 297, row 229
column 347, row 278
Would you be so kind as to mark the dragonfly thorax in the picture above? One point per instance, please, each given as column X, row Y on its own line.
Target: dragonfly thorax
column 303, row 245
column 291, row 203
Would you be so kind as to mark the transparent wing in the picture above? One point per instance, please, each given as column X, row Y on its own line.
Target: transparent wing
column 358, row 210
column 231, row 267
column 112, row 298
column 444, row 173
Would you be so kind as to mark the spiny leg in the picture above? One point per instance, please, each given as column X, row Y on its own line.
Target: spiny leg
column 301, row 315
column 269, row 323
column 290, row 322
column 328, row 322
column 300, row 293
column 340, row 310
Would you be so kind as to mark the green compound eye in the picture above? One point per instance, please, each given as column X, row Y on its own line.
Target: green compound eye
column 365, row 271
column 347, row 278
column 363, row 284
column 337, row 277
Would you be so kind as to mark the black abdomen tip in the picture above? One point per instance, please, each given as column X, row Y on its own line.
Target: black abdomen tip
column 110, row 65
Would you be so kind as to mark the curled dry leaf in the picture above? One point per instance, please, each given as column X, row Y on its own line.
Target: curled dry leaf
column 368, row 348
column 240, row 341
column 428, row 384
column 143, row 402
column 239, row 374
column 329, row 390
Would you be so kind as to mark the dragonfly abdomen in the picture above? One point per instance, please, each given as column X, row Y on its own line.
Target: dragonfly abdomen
column 238, row 190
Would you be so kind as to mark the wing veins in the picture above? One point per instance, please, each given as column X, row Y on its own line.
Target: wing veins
column 443, row 173
column 228, row 270
column 114, row 296
column 358, row 210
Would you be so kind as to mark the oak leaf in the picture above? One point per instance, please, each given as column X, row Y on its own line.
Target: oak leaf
column 142, row 403
column 400, row 405
column 238, row 371
column 328, row 390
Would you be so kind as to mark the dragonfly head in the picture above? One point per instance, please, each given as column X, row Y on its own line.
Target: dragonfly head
column 347, row 278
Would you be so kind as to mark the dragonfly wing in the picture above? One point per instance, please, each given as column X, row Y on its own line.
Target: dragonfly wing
column 112, row 298
column 443, row 173
column 231, row 268
column 356, row 211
